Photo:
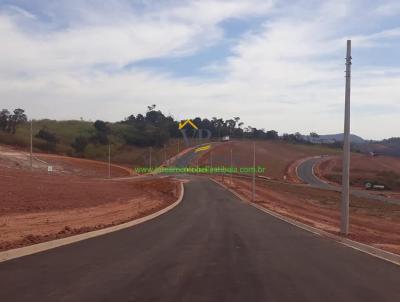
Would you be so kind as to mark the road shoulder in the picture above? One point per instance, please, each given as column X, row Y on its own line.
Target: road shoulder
column 40, row 247
column 373, row 251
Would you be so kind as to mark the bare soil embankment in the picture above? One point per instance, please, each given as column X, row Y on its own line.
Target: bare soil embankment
column 36, row 206
column 62, row 165
column 278, row 158
column 381, row 169
column 371, row 222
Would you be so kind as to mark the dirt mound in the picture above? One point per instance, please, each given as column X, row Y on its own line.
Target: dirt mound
column 277, row 157
column 13, row 158
column 83, row 167
column 381, row 169
column 35, row 206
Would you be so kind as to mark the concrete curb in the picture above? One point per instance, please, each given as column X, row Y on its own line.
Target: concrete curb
column 44, row 246
column 319, row 178
column 301, row 161
column 368, row 249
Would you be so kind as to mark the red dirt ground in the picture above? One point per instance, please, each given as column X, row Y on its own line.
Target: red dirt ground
column 14, row 158
column 37, row 206
column 385, row 169
column 371, row 222
column 276, row 157
column 84, row 167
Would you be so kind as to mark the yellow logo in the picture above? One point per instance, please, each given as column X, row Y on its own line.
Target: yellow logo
column 203, row 148
column 188, row 121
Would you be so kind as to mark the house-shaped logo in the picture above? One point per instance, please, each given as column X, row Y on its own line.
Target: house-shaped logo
column 188, row 121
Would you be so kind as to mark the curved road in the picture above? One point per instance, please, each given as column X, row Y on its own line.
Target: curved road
column 211, row 247
column 305, row 172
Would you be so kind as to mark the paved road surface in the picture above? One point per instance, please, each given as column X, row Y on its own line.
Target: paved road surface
column 305, row 173
column 185, row 159
column 212, row 247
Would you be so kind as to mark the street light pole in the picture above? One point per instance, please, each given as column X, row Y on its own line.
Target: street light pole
column 150, row 149
column 231, row 168
column 344, row 225
column 253, row 195
column 31, row 147
column 109, row 160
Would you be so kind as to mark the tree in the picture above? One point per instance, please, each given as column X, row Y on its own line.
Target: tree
column 80, row 144
column 314, row 135
column 298, row 136
column 271, row 134
column 101, row 126
column 155, row 118
column 15, row 119
column 102, row 131
column 49, row 137
column 4, row 117
column 293, row 138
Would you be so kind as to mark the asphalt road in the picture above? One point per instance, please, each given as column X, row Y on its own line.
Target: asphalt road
column 211, row 247
column 305, row 173
column 185, row 159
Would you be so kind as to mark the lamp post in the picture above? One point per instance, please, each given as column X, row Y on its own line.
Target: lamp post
column 31, row 147
column 253, row 195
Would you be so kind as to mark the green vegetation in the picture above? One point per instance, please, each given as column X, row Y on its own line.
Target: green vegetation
column 130, row 139
column 10, row 121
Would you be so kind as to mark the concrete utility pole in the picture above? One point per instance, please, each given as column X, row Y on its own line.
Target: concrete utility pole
column 231, row 167
column 31, row 148
column 150, row 158
column 109, row 160
column 344, row 225
column 253, row 195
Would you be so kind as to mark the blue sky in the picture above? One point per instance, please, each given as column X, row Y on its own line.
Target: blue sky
column 276, row 64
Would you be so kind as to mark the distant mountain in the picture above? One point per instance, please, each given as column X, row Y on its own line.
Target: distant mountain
column 332, row 138
column 389, row 146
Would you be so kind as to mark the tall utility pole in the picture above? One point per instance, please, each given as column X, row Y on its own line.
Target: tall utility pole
column 231, row 167
column 109, row 160
column 31, row 149
column 253, row 192
column 150, row 158
column 344, row 225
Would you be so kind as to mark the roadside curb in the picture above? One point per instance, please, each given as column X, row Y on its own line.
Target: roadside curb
column 373, row 251
column 44, row 246
column 301, row 161
column 320, row 178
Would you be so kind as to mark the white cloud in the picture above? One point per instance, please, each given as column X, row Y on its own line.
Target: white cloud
column 389, row 9
column 286, row 75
